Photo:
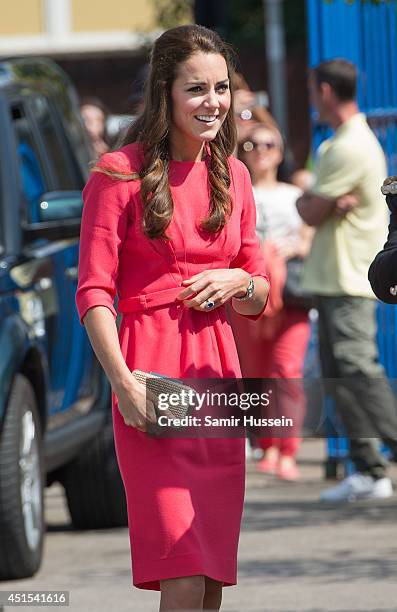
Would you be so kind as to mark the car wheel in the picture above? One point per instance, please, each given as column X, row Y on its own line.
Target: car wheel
column 21, row 484
column 93, row 485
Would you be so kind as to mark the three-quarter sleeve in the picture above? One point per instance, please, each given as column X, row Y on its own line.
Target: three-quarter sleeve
column 103, row 229
column 250, row 256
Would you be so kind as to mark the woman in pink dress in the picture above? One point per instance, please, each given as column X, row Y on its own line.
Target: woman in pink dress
column 169, row 225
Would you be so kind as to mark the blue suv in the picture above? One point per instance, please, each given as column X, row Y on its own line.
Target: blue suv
column 55, row 416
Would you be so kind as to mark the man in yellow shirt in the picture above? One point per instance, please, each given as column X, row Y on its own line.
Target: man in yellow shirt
column 346, row 206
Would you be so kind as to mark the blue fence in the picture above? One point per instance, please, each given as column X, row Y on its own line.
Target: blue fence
column 366, row 34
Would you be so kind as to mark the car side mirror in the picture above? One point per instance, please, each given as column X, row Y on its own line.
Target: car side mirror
column 58, row 206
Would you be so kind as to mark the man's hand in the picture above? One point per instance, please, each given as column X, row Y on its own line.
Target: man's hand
column 344, row 204
column 389, row 189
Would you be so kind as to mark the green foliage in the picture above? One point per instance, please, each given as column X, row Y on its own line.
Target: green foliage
column 246, row 27
column 245, row 20
column 171, row 13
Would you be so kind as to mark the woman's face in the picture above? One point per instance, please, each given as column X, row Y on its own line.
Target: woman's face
column 200, row 97
column 262, row 150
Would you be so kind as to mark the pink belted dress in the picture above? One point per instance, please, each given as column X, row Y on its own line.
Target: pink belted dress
column 184, row 495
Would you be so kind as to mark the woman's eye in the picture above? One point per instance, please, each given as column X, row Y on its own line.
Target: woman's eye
column 198, row 88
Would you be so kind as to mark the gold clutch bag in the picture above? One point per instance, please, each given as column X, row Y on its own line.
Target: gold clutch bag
column 159, row 384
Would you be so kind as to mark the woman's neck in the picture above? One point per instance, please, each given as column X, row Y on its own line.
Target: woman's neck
column 187, row 151
column 266, row 179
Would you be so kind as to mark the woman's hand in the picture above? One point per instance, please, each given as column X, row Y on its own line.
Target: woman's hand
column 137, row 405
column 218, row 285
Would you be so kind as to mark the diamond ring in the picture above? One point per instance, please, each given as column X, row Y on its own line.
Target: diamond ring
column 209, row 304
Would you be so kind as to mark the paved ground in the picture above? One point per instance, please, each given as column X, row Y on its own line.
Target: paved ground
column 295, row 554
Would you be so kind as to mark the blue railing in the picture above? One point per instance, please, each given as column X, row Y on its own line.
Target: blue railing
column 366, row 34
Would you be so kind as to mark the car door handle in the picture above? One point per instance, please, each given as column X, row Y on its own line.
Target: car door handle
column 71, row 273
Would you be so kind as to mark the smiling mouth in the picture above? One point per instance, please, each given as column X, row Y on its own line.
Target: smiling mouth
column 207, row 118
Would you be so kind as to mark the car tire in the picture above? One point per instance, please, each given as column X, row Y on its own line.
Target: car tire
column 94, row 487
column 22, row 524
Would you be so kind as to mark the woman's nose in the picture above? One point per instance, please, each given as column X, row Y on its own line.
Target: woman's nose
column 212, row 100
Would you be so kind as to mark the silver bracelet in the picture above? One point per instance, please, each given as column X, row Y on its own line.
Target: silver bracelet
column 248, row 294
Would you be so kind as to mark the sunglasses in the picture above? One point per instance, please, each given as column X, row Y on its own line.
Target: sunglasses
column 249, row 146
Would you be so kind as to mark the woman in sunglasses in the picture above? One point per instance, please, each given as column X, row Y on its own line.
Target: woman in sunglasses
column 277, row 348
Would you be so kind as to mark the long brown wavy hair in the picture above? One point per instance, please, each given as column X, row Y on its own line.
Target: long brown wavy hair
column 151, row 128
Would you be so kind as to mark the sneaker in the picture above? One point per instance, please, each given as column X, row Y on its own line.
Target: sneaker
column 287, row 469
column 358, row 486
column 267, row 466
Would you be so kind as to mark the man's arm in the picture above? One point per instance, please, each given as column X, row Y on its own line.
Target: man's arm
column 314, row 209
column 337, row 176
column 317, row 208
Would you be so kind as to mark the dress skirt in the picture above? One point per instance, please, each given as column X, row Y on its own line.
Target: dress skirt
column 184, row 495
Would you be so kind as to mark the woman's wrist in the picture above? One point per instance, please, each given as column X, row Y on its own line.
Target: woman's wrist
column 246, row 279
column 248, row 293
column 258, row 300
column 123, row 382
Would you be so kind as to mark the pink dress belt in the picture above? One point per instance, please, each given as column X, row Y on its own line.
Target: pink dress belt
column 150, row 300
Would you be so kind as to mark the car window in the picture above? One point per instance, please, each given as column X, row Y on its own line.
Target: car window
column 77, row 137
column 54, row 144
column 33, row 180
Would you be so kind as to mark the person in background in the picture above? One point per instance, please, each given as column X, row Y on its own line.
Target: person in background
column 94, row 114
column 277, row 348
column 248, row 112
column 382, row 273
column 346, row 207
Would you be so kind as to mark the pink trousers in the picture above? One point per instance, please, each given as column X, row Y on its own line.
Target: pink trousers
column 280, row 356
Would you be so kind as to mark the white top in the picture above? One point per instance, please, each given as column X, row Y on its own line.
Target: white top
column 277, row 218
